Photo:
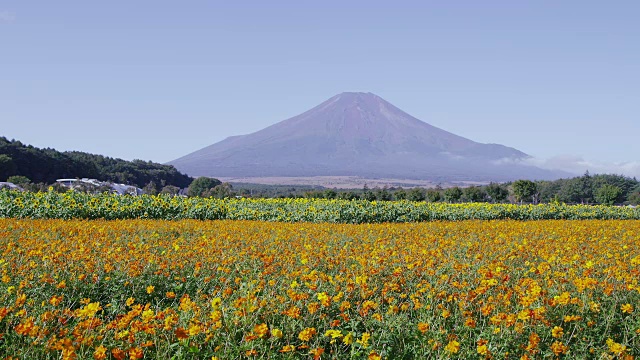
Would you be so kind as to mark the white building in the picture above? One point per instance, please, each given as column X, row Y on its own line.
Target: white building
column 11, row 186
column 120, row 189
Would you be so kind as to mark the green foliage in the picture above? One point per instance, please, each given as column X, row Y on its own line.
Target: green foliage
column 170, row 190
column 15, row 204
column 330, row 194
column 473, row 194
column 497, row 193
column 608, row 194
column 7, row 167
column 222, row 191
column 400, row 194
column 348, row 195
column 524, row 190
column 47, row 165
column 201, row 185
column 19, row 180
column 416, row 194
column 368, row 194
column 453, row 195
column 549, row 191
column 433, row 195
column 383, row 194
column 150, row 188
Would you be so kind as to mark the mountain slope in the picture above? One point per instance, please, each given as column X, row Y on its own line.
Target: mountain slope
column 356, row 134
column 47, row 165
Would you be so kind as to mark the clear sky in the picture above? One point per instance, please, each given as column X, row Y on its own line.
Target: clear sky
column 155, row 80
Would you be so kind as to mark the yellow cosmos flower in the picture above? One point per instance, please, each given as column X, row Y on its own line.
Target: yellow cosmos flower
column 306, row 334
column 557, row 332
column 348, row 339
column 453, row 347
column 276, row 333
column 364, row 340
column 626, row 308
column 423, row 327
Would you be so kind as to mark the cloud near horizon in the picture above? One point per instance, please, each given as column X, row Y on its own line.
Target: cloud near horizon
column 578, row 165
column 7, row 17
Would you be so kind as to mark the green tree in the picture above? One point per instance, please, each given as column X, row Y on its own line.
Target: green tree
column 224, row 190
column 524, row 190
column 415, row 194
column 473, row 194
column 549, row 190
column 170, row 189
column 367, row 194
column 19, row 180
column 202, row 184
column 330, row 194
column 608, row 194
column 453, row 194
column 7, row 167
column 433, row 195
column 348, row 195
column 627, row 185
column 382, row 194
column 497, row 193
column 400, row 194
column 586, row 188
column 150, row 188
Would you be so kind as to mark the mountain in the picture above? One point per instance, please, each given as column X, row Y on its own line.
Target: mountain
column 358, row 134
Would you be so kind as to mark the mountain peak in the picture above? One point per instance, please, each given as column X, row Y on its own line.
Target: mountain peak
column 356, row 93
column 356, row 96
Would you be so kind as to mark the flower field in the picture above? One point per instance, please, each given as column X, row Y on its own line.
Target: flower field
column 75, row 205
column 156, row 289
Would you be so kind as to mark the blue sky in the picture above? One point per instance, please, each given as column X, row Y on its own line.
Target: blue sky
column 155, row 80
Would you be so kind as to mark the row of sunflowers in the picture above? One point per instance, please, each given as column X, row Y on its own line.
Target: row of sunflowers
column 76, row 205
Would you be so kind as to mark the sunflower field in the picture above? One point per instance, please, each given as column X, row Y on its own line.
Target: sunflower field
column 192, row 289
column 76, row 205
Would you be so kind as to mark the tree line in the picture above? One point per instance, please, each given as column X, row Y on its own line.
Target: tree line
column 587, row 189
column 45, row 166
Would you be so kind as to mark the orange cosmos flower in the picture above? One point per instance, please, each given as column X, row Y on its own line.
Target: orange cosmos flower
column 118, row 354
column 306, row 334
column 288, row 348
column 100, row 353
column 261, row 330
column 136, row 353
column 181, row 334
column 559, row 348
column 316, row 353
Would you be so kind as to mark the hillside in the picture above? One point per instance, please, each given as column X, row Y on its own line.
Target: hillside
column 47, row 165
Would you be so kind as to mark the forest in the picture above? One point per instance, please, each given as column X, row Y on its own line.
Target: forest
column 44, row 166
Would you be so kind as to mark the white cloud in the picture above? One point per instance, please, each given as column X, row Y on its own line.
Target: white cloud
column 578, row 165
column 7, row 17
